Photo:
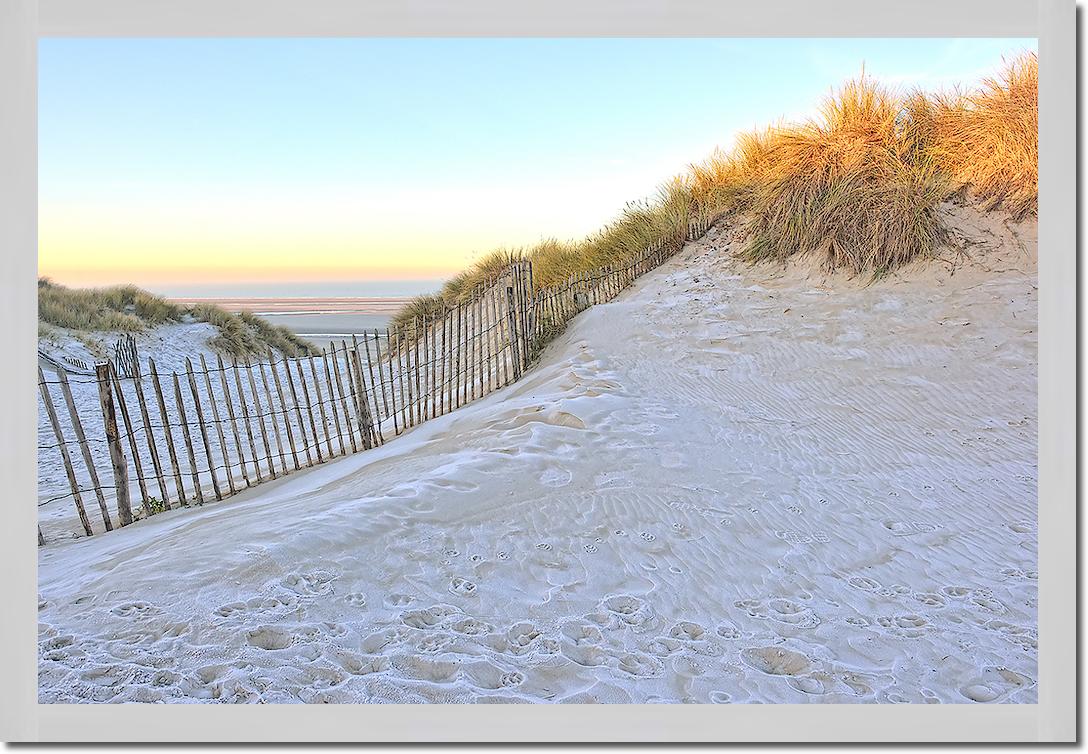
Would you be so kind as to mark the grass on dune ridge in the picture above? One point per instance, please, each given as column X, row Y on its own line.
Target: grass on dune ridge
column 127, row 308
column 861, row 184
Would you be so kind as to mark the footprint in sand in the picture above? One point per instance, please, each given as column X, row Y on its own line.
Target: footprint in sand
column 994, row 684
column 780, row 610
column 134, row 609
column 905, row 625
column 355, row 599
column 308, row 584
column 776, row 661
column 472, row 627
column 555, row 477
column 270, row 638
column 396, row 599
column 462, row 587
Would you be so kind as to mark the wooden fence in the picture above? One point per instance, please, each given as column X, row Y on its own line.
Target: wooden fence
column 208, row 431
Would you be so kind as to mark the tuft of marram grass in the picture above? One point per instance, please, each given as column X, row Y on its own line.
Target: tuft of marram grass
column 986, row 141
column 131, row 309
column 842, row 187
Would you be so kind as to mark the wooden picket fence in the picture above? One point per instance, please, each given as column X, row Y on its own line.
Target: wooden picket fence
column 211, row 431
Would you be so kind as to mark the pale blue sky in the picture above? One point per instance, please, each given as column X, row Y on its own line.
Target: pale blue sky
column 342, row 148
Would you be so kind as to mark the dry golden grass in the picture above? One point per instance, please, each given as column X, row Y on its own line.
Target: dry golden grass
column 841, row 186
column 861, row 184
column 986, row 141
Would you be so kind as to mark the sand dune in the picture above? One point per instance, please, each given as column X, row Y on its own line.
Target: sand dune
column 731, row 484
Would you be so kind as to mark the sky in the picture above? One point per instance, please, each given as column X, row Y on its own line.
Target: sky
column 380, row 166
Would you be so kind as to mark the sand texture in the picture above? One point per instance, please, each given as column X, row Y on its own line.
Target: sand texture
column 731, row 484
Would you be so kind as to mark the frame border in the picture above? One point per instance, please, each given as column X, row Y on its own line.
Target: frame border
column 1052, row 21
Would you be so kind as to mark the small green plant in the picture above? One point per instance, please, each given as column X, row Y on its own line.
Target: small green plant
column 155, row 505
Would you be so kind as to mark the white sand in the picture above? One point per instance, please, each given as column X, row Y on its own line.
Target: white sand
column 730, row 484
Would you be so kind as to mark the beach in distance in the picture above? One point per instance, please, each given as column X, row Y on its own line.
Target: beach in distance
column 320, row 320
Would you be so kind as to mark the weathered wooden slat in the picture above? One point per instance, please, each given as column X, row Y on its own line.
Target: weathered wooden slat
column 462, row 322
column 260, row 420
column 131, row 433
column 286, row 411
column 376, row 415
column 203, row 428
column 149, row 436
column 332, row 403
column 489, row 332
column 343, row 399
column 357, row 401
column 432, row 367
column 84, row 448
column 447, row 367
column 501, row 348
column 224, row 383
column 321, row 407
column 280, row 451
column 421, row 404
column 470, row 352
column 298, row 412
column 370, row 437
column 187, row 436
column 218, row 425
column 168, row 432
column 253, row 452
column 62, row 445
column 392, row 382
column 481, row 340
column 310, row 411
column 512, row 325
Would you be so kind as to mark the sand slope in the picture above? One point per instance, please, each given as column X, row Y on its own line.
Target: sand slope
column 729, row 485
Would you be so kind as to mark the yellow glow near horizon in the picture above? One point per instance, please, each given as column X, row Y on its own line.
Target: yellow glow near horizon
column 171, row 235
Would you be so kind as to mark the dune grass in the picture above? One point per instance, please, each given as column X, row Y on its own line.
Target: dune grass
column 861, row 184
column 842, row 186
column 131, row 309
column 986, row 141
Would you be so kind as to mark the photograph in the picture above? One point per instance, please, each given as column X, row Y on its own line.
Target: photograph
column 507, row 370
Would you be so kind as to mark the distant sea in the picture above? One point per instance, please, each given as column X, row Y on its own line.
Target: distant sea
column 323, row 313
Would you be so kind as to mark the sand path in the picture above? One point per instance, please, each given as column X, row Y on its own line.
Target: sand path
column 727, row 485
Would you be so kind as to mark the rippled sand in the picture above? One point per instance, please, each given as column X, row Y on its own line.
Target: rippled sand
column 729, row 485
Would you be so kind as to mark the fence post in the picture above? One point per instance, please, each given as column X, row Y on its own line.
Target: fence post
column 63, row 446
column 150, row 437
column 369, row 436
column 169, row 434
column 188, row 440
column 131, row 435
column 309, row 412
column 249, row 425
column 84, row 448
column 332, row 403
column 218, row 424
column 391, row 407
column 113, row 440
column 272, row 413
column 286, row 412
column 376, row 417
column 513, row 325
column 343, row 396
column 203, row 428
column 320, row 408
column 233, row 418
